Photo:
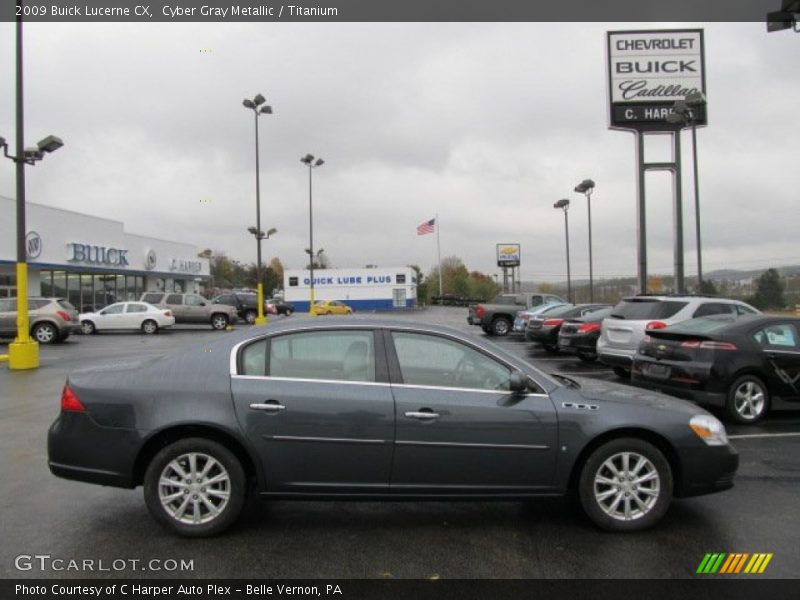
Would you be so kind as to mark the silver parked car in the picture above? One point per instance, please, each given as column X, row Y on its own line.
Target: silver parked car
column 630, row 320
column 51, row 319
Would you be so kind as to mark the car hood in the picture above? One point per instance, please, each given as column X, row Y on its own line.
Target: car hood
column 607, row 391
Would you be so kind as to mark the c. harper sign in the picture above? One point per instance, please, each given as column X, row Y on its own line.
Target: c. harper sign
column 648, row 71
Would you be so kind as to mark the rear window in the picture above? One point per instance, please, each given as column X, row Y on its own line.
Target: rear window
column 561, row 311
column 65, row 305
column 640, row 309
column 701, row 325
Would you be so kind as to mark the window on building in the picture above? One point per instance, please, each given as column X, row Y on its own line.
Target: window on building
column 293, row 282
column 400, row 278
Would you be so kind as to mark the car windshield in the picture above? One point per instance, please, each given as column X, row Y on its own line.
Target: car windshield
column 639, row 309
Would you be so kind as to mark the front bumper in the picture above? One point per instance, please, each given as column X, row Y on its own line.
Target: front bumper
column 707, row 470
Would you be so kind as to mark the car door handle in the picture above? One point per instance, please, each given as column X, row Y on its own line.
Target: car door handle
column 271, row 406
column 422, row 415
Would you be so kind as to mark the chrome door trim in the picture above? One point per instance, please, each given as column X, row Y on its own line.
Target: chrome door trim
column 471, row 445
column 297, row 438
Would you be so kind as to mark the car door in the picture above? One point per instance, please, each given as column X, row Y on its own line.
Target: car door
column 134, row 315
column 459, row 428
column 196, row 310
column 8, row 316
column 780, row 345
column 318, row 409
column 111, row 317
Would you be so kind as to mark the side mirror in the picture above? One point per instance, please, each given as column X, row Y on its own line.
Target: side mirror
column 517, row 382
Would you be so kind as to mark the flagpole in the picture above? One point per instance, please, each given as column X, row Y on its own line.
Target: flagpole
column 439, row 253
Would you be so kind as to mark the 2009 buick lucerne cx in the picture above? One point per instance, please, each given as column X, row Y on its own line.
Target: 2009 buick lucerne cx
column 377, row 409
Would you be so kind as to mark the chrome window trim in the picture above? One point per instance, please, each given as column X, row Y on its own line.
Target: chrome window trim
column 307, row 380
column 471, row 445
column 389, row 328
column 792, row 352
column 461, row 389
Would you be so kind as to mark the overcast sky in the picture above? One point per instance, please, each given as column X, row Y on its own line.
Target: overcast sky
column 485, row 124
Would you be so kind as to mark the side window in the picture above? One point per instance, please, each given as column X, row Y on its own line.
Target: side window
column 431, row 360
column 254, row 359
column 745, row 310
column 37, row 304
column 9, row 305
column 134, row 307
column 193, row 300
column 713, row 308
column 781, row 336
column 174, row 299
column 336, row 355
column 152, row 298
column 114, row 309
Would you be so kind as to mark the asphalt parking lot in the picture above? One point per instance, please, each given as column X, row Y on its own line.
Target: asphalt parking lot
column 43, row 515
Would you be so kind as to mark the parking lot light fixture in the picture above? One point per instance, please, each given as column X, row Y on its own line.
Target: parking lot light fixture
column 586, row 187
column 563, row 204
column 258, row 108
column 309, row 161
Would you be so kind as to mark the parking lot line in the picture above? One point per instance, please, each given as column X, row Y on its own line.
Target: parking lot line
column 763, row 435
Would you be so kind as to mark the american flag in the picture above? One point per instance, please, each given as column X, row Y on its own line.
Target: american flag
column 426, row 227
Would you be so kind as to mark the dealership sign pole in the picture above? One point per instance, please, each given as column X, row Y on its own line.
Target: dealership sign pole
column 648, row 71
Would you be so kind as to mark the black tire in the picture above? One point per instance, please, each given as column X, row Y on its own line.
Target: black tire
column 88, row 328
column 501, row 326
column 748, row 400
column 219, row 321
column 549, row 348
column 288, row 312
column 229, row 465
column 250, row 317
column 622, row 372
column 586, row 357
column 600, row 501
column 487, row 330
column 45, row 333
column 149, row 327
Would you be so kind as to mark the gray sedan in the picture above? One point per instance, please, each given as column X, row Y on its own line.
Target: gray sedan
column 377, row 409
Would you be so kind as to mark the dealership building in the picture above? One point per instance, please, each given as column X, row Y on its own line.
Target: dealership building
column 377, row 288
column 92, row 261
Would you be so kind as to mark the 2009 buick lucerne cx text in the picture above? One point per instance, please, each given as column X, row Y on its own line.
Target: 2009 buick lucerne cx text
column 377, row 409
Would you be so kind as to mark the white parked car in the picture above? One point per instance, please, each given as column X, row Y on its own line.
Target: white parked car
column 127, row 315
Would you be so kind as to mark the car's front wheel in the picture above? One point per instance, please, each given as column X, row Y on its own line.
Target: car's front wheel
column 195, row 487
column 219, row 321
column 626, row 485
column 45, row 333
column 748, row 399
column 149, row 327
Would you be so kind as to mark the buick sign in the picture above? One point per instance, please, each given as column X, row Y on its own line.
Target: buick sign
column 33, row 245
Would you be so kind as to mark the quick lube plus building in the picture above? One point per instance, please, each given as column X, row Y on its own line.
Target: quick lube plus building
column 92, row 261
column 361, row 289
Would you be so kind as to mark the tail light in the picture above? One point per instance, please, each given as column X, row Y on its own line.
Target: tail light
column 655, row 325
column 589, row 327
column 524, row 317
column 552, row 322
column 70, row 402
column 64, row 315
column 709, row 345
column 480, row 311
column 167, row 313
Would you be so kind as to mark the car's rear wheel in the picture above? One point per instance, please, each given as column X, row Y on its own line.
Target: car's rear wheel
column 250, row 317
column 586, row 357
column 149, row 327
column 45, row 333
column 501, row 326
column 622, row 372
column 195, row 487
column 748, row 399
column 550, row 348
column 626, row 485
column 219, row 321
column 88, row 328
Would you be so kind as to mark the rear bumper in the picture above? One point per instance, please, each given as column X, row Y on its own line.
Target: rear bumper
column 718, row 399
column 615, row 358
column 80, row 449
column 577, row 343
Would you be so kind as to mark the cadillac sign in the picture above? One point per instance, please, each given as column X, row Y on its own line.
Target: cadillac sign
column 648, row 71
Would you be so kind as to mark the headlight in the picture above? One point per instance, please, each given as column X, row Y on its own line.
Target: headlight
column 709, row 429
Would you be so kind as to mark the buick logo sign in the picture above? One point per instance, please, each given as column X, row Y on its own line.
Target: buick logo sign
column 150, row 260
column 33, row 245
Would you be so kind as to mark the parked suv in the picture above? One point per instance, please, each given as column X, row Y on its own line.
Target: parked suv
column 630, row 320
column 51, row 319
column 246, row 305
column 192, row 308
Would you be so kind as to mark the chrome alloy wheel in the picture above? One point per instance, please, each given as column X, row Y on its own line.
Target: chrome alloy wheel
column 749, row 400
column 627, row 486
column 194, row 488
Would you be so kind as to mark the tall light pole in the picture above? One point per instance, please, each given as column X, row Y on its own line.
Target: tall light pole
column 23, row 352
column 309, row 161
column 261, row 318
column 686, row 112
column 563, row 204
column 259, row 108
column 587, row 187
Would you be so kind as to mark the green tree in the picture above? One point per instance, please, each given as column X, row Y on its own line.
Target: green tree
column 708, row 288
column 769, row 291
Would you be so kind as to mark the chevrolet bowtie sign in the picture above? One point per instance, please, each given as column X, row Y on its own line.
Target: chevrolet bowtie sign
column 648, row 71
